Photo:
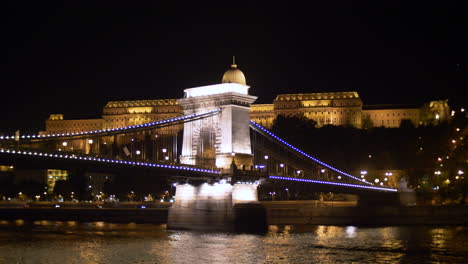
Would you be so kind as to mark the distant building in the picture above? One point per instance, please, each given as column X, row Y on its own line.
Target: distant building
column 336, row 108
column 390, row 115
column 339, row 108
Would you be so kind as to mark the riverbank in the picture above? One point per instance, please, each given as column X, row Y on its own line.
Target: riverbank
column 278, row 213
column 313, row 213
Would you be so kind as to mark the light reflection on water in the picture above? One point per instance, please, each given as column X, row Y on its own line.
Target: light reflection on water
column 100, row 242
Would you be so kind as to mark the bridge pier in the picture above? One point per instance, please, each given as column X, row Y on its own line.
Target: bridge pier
column 217, row 207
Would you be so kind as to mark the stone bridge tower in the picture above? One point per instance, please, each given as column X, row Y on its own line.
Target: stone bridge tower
column 218, row 140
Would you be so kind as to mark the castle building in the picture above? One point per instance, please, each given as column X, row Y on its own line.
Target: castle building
column 390, row 115
column 339, row 108
column 332, row 108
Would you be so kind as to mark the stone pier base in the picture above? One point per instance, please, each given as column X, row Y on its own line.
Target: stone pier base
column 217, row 207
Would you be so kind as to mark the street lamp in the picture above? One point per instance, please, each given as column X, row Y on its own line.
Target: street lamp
column 272, row 195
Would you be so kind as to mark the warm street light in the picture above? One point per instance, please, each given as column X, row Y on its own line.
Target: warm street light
column 64, row 144
column 90, row 141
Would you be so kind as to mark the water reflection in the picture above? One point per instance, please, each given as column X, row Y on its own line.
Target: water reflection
column 350, row 231
column 101, row 242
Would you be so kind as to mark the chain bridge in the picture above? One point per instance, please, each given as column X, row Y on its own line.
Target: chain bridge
column 215, row 156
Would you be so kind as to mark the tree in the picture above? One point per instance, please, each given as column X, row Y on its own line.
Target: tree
column 292, row 127
column 406, row 124
column 367, row 122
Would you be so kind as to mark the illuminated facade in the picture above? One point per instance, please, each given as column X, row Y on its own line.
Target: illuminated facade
column 219, row 140
column 390, row 116
column 347, row 109
column 118, row 114
column 340, row 108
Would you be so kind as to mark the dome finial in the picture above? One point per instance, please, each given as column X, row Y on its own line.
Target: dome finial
column 233, row 65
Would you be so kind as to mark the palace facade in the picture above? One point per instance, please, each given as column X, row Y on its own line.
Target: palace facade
column 335, row 108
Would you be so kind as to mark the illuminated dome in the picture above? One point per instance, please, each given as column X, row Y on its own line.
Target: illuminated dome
column 234, row 75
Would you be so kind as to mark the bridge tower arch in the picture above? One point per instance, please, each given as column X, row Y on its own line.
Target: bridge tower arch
column 218, row 140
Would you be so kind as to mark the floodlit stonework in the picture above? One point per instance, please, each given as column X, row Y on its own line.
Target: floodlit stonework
column 347, row 109
column 217, row 140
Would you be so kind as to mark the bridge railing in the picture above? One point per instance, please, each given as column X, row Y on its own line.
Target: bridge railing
column 112, row 131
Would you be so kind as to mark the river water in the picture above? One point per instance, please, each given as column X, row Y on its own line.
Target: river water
column 98, row 242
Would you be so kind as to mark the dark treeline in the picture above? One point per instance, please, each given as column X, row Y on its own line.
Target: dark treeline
column 433, row 157
column 350, row 148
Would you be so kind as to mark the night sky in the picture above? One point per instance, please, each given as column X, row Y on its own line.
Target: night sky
column 73, row 57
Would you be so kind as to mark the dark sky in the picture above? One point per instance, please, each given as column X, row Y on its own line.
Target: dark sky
column 73, row 57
